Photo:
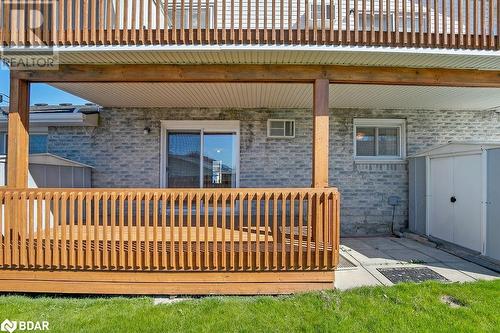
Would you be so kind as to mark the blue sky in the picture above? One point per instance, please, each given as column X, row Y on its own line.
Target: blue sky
column 40, row 93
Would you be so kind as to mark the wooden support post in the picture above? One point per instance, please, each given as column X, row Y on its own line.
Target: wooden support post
column 17, row 162
column 320, row 134
column 18, row 134
column 320, row 148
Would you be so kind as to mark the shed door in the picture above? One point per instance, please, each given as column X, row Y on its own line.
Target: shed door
column 441, row 208
column 467, row 179
column 455, row 200
column 493, row 223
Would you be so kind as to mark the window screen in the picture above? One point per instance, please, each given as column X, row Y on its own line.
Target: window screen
column 377, row 139
column 281, row 128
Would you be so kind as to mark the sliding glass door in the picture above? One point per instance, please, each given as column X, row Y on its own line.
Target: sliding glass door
column 219, row 162
column 183, row 160
column 201, row 158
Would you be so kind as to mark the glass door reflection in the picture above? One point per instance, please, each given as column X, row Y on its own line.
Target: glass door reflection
column 200, row 159
column 183, row 160
column 219, row 162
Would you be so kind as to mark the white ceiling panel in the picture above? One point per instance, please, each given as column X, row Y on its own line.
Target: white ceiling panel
column 274, row 95
column 354, row 56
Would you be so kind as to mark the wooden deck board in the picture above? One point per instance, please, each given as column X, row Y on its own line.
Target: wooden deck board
column 199, row 283
column 107, row 232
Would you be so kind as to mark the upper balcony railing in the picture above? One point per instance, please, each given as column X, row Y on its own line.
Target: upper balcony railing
column 465, row 24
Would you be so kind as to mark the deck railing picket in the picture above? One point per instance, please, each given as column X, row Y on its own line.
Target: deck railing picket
column 168, row 230
column 105, row 227
column 301, row 230
column 64, row 230
column 4, row 244
column 292, row 231
column 163, row 214
column 215, row 257
column 232, row 257
column 198, row 230
column 423, row 23
column 156, row 261
column 147, row 253
column 309, row 230
column 112, row 220
column 266, row 230
column 282, row 232
column 249, row 230
column 7, row 238
column 223, row 231
column 189, row 208
column 95, row 242
column 205, row 229
column 257, row 231
column 240, row 230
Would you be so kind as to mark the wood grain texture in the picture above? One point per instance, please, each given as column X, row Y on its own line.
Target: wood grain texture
column 265, row 73
column 320, row 145
column 18, row 133
column 199, row 283
column 240, row 22
column 136, row 230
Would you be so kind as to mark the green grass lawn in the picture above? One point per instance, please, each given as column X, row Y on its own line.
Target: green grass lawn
column 402, row 308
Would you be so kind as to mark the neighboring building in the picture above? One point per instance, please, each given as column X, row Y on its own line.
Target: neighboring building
column 241, row 133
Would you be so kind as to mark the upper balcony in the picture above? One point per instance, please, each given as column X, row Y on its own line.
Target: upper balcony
column 451, row 24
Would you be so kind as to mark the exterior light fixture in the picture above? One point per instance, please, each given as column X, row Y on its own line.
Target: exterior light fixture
column 147, row 130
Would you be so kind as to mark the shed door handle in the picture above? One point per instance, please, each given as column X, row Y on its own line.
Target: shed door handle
column 453, row 199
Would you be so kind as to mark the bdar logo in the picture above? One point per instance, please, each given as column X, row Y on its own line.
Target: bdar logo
column 8, row 326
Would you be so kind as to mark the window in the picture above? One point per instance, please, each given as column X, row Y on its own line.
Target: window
column 379, row 139
column 185, row 17
column 200, row 154
column 327, row 14
column 415, row 21
column 38, row 143
column 376, row 21
column 280, row 128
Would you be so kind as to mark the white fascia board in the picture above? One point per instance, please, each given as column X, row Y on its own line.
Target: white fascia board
column 300, row 48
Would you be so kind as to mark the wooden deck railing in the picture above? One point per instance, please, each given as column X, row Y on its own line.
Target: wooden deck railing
column 169, row 230
column 400, row 23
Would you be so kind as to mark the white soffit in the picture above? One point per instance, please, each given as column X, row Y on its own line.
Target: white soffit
column 322, row 55
column 279, row 95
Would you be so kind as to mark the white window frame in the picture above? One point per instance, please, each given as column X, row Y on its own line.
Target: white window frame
column 277, row 136
column 328, row 11
column 178, row 8
column 370, row 122
column 204, row 126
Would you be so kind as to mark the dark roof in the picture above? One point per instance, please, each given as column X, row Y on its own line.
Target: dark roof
column 61, row 108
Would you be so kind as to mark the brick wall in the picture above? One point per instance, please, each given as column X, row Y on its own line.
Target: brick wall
column 123, row 156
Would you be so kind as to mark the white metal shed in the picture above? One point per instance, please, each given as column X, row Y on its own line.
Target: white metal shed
column 452, row 195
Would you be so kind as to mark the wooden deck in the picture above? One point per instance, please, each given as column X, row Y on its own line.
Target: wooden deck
column 282, row 241
column 413, row 23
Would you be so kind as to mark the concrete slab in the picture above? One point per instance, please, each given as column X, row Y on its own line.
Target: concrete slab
column 359, row 277
column 169, row 300
column 411, row 256
column 385, row 243
column 376, row 252
column 475, row 271
column 450, row 273
column 371, row 256
column 440, row 255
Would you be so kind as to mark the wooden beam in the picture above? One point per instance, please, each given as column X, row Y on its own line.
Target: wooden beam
column 321, row 134
column 266, row 73
column 18, row 134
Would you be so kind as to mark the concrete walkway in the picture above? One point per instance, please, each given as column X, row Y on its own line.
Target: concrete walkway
column 369, row 254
